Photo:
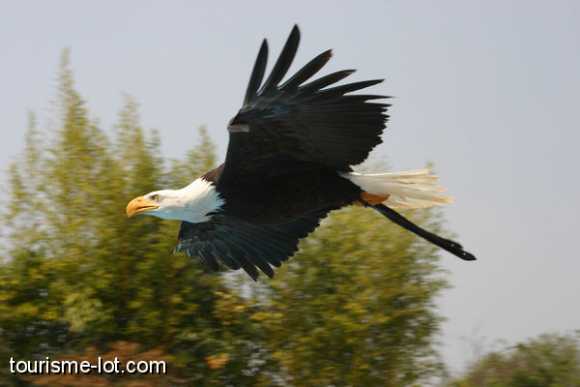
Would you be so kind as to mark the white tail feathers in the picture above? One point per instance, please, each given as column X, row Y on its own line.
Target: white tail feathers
column 404, row 190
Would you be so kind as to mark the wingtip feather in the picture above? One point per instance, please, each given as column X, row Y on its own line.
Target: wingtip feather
column 258, row 71
column 284, row 60
column 307, row 71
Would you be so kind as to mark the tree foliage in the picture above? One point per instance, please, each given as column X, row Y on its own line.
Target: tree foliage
column 354, row 307
column 549, row 360
column 81, row 275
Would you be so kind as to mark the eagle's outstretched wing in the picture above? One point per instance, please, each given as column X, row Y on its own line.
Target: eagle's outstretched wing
column 296, row 124
column 238, row 244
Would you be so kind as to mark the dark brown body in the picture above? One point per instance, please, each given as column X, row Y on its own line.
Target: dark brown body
column 276, row 199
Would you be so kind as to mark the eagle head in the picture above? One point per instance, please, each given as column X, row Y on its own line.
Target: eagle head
column 195, row 203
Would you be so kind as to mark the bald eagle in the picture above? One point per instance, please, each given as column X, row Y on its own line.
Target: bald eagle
column 289, row 163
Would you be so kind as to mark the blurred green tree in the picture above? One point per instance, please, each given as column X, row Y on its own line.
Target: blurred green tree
column 355, row 306
column 549, row 360
column 81, row 275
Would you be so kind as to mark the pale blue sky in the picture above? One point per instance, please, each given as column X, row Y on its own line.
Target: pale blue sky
column 488, row 90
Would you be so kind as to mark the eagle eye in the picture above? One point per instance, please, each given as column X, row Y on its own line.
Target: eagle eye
column 154, row 197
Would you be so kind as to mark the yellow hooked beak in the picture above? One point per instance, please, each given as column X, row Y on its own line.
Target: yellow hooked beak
column 140, row 205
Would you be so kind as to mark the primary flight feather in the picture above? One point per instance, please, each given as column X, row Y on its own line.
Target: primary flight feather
column 288, row 164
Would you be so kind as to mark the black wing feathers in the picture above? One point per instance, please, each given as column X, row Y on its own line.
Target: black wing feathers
column 284, row 61
column 348, row 88
column 238, row 244
column 322, row 82
column 257, row 73
column 305, row 122
column 306, row 72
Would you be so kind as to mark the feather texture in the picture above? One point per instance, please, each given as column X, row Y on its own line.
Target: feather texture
column 404, row 190
column 284, row 61
column 257, row 73
column 302, row 124
column 237, row 244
